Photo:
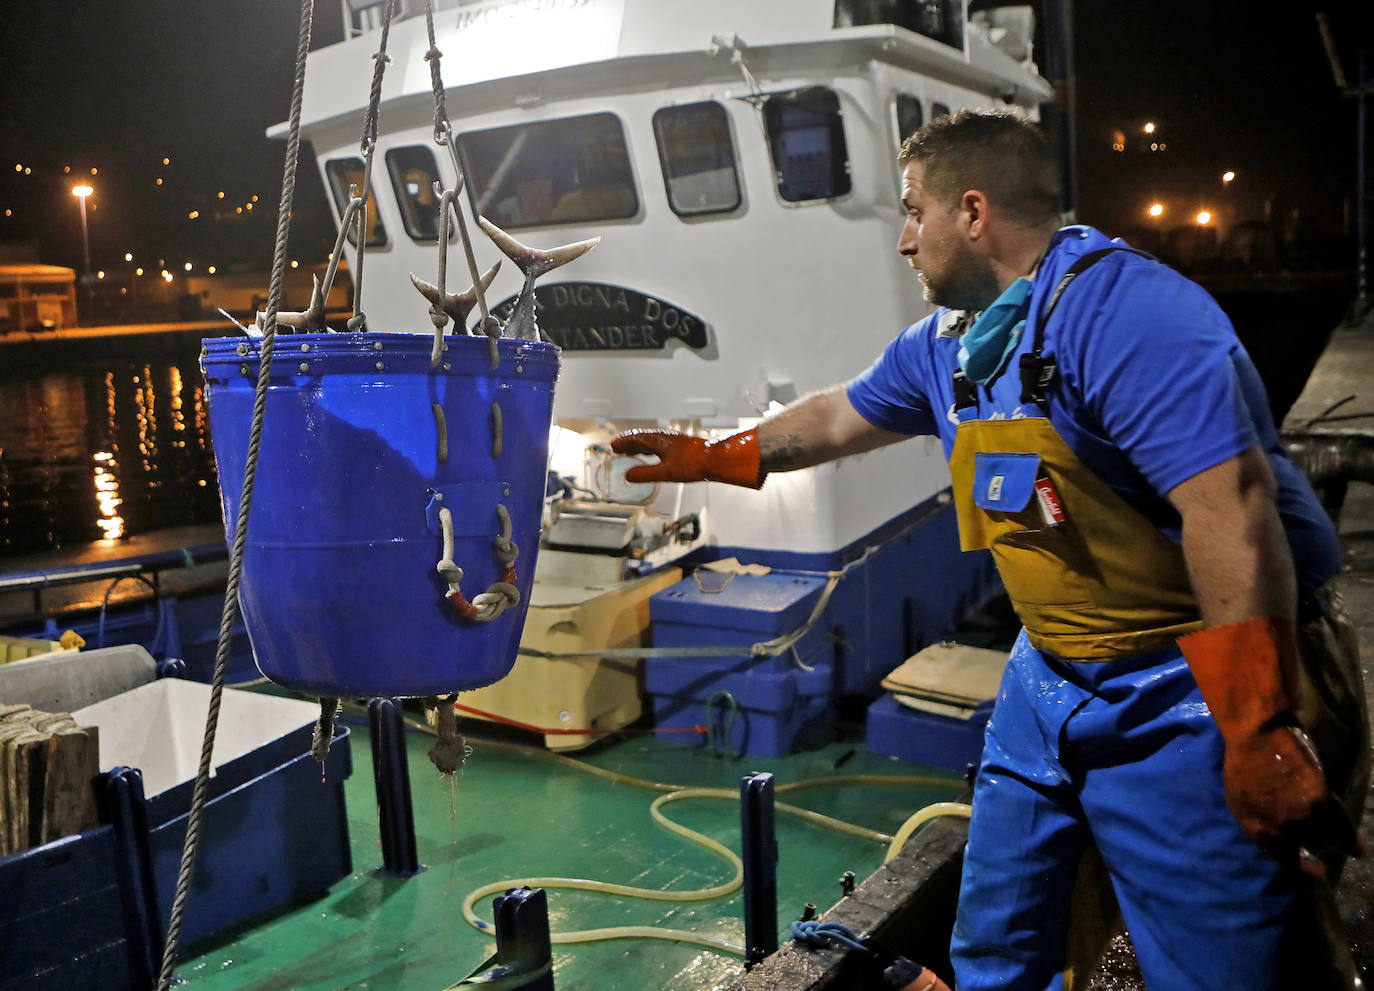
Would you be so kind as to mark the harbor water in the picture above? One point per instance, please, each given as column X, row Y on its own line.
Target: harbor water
column 103, row 448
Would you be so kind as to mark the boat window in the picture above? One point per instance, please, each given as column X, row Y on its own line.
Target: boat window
column 345, row 172
column 698, row 158
column 909, row 116
column 413, row 174
column 806, row 139
column 565, row 171
column 939, row 110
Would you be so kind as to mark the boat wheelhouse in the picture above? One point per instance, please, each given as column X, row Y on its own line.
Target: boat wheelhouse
column 738, row 162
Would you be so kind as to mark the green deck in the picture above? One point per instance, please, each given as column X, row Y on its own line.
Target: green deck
column 516, row 812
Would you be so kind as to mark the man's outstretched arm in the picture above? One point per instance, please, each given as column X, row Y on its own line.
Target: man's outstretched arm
column 819, row 427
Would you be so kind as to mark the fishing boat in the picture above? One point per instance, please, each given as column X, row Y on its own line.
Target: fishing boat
column 738, row 164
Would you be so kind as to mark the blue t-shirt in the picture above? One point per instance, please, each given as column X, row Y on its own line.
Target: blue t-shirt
column 1153, row 387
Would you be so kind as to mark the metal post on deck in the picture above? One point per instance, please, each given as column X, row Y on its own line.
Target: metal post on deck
column 391, row 772
column 523, row 945
column 760, row 855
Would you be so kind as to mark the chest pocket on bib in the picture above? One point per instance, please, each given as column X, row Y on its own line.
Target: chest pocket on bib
column 1040, row 563
column 1004, row 482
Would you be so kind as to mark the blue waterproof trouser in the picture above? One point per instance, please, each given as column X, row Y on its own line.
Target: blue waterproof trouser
column 1124, row 754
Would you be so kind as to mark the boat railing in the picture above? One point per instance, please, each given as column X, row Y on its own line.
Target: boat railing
column 149, row 566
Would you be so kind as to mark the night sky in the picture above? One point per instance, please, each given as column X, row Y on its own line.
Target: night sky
column 120, row 84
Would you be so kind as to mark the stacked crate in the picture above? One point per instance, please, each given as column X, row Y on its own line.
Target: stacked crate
column 758, row 705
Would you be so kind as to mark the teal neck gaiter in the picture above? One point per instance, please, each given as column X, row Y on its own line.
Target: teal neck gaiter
column 988, row 344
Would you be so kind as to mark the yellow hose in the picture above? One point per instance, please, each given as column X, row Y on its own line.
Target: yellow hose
column 652, row 894
column 920, row 818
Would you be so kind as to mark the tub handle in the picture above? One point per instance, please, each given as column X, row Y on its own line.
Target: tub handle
column 500, row 595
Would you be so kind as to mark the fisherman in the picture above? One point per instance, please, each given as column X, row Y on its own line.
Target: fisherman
column 1184, row 692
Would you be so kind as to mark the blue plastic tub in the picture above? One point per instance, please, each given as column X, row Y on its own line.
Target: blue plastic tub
column 340, row 592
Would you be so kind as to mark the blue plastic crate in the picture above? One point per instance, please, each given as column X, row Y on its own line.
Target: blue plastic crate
column 761, row 706
column 926, row 738
column 768, row 719
column 768, row 604
column 747, row 609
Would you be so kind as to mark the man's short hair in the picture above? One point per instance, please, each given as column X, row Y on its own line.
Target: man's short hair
column 999, row 153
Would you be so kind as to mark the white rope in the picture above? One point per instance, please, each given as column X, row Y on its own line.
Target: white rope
column 499, row 595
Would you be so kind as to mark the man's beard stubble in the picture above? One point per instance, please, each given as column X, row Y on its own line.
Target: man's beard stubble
column 974, row 287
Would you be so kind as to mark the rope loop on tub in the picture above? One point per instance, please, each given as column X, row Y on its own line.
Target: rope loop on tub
column 500, row 595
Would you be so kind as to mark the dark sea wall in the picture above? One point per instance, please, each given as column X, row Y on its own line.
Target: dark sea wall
column 1285, row 322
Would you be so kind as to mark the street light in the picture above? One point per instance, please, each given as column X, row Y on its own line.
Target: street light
column 81, row 192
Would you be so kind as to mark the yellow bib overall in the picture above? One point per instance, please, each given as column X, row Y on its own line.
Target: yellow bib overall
column 1093, row 580
column 1096, row 583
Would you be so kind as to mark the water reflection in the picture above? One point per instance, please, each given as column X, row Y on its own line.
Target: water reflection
column 103, row 450
column 107, row 495
column 175, row 403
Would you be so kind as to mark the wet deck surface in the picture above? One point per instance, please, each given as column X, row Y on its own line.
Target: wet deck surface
column 516, row 812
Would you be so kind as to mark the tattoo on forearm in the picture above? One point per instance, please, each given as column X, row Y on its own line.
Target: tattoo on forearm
column 782, row 453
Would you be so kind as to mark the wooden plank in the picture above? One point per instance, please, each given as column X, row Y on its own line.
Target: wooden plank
column 11, row 729
column 73, row 761
column 27, row 755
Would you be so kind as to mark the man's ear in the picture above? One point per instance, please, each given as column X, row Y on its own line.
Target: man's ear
column 973, row 206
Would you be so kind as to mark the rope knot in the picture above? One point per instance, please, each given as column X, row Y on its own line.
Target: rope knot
column 498, row 597
column 433, row 54
column 451, row 573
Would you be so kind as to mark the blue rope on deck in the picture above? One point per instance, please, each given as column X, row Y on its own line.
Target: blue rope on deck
column 816, row 933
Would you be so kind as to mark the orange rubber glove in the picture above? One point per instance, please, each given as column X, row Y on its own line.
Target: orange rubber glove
column 733, row 459
column 1273, row 778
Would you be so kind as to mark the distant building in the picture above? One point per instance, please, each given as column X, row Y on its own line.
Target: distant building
column 37, row 297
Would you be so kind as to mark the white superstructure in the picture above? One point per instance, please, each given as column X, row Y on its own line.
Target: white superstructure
column 737, row 158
